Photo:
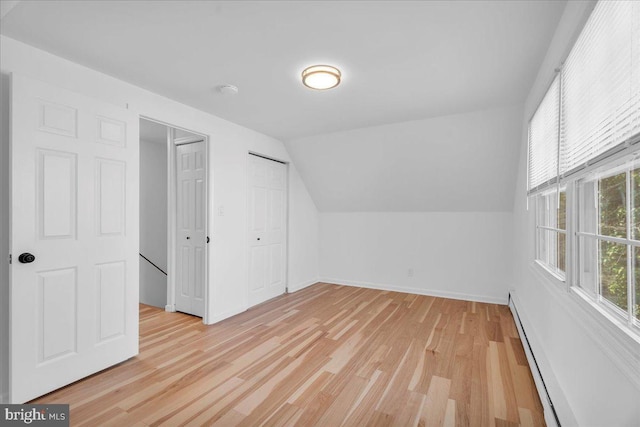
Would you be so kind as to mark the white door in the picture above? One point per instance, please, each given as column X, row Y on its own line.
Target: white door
column 267, row 233
column 191, row 231
column 74, row 207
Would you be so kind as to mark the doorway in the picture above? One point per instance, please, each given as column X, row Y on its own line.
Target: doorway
column 173, row 218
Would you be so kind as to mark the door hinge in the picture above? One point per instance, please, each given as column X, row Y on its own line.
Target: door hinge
column 10, row 259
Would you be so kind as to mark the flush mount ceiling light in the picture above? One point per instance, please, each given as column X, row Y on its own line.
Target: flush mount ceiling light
column 228, row 90
column 321, row 77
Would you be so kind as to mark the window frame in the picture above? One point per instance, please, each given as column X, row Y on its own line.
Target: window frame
column 627, row 161
column 625, row 164
column 601, row 160
column 618, row 338
column 543, row 226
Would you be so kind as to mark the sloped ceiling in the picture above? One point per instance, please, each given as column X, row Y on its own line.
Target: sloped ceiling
column 464, row 162
column 402, row 60
column 420, row 67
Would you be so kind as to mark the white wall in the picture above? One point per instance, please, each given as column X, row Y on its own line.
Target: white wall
column 461, row 255
column 457, row 163
column 586, row 365
column 4, row 235
column 230, row 144
column 153, row 222
column 303, row 216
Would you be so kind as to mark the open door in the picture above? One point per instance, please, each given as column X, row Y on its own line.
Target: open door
column 191, row 235
column 74, row 237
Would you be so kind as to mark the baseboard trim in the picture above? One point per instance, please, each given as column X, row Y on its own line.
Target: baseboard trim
column 418, row 291
column 302, row 285
column 170, row 308
column 4, row 398
column 227, row 314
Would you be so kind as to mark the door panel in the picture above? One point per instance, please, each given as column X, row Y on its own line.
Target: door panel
column 111, row 303
column 276, row 203
column 191, row 234
column 275, row 264
column 58, row 324
column 267, row 229
column 57, row 118
column 112, row 132
column 256, row 269
column 111, row 193
column 199, row 205
column 57, row 197
column 74, row 205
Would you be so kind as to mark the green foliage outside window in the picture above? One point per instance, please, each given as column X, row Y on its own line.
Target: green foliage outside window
column 562, row 238
column 613, row 222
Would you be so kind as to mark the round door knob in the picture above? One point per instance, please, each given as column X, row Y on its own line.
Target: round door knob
column 188, row 237
column 258, row 238
column 26, row 258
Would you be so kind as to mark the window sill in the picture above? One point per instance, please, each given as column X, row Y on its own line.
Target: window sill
column 609, row 319
column 614, row 337
column 554, row 275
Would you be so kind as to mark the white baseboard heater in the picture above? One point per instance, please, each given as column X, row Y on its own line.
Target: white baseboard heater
column 543, row 392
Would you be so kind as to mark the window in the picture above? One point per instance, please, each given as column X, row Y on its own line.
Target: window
column 551, row 231
column 609, row 239
column 583, row 174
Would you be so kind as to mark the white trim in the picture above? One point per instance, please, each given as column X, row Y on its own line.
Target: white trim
column 287, row 225
column 560, row 403
column 172, row 143
column 418, row 291
column 549, row 269
column 189, row 139
column 303, row 285
column 621, row 240
column 559, row 230
column 171, row 221
column 227, row 314
column 609, row 333
column 613, row 335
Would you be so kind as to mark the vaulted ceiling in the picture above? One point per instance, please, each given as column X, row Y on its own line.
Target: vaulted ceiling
column 402, row 61
column 462, row 162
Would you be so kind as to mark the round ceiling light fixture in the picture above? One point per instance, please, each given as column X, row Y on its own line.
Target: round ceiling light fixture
column 228, row 90
column 321, row 77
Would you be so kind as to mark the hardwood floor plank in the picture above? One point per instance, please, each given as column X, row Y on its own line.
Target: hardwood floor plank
column 326, row 355
column 435, row 406
column 362, row 413
column 450, row 414
column 344, row 401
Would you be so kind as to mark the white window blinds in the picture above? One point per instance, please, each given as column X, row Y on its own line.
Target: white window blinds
column 543, row 139
column 597, row 97
column 601, row 85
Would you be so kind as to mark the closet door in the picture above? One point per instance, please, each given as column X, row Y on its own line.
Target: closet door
column 267, row 229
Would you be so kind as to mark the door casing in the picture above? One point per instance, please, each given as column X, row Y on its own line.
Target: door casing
column 172, row 217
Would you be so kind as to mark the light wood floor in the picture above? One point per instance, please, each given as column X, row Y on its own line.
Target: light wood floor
column 328, row 356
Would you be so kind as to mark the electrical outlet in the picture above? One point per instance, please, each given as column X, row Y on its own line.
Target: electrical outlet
column 410, row 272
column 220, row 210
